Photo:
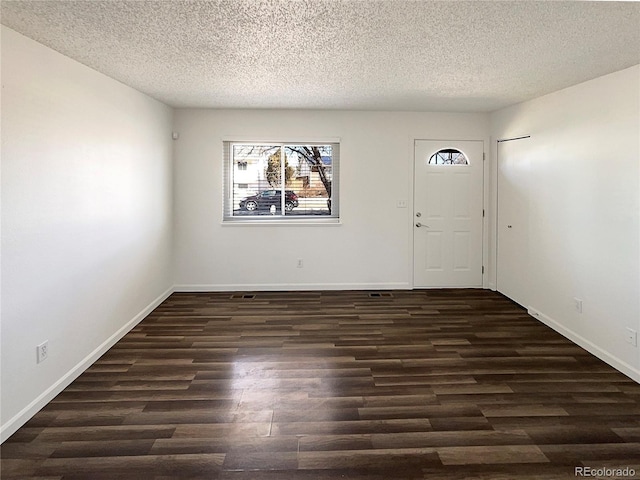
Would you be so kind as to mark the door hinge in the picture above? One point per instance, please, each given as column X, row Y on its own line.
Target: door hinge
column 483, row 269
column 483, row 213
column 483, row 156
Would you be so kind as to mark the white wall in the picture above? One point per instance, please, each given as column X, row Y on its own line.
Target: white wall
column 372, row 246
column 584, row 210
column 86, row 218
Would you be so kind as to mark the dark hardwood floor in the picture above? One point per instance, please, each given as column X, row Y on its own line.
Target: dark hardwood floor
column 435, row 384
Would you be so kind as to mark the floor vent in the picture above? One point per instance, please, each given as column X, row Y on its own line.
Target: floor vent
column 381, row 295
column 245, row 296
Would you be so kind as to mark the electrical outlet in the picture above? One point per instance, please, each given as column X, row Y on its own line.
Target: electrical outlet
column 42, row 351
column 577, row 303
column 300, row 263
column 631, row 336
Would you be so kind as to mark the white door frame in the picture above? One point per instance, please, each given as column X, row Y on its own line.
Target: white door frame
column 492, row 215
column 486, row 201
column 497, row 224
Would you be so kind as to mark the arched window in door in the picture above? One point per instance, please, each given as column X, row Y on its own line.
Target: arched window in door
column 448, row 156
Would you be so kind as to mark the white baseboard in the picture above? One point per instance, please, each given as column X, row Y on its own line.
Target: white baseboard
column 10, row 427
column 264, row 287
column 607, row 357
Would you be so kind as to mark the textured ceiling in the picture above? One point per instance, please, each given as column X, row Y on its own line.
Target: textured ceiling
column 339, row 54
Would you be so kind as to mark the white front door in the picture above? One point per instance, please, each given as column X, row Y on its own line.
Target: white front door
column 447, row 222
column 513, row 219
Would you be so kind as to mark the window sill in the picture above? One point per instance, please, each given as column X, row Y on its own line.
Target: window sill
column 306, row 222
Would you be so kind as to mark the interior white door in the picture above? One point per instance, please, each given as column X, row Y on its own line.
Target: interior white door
column 448, row 216
column 513, row 219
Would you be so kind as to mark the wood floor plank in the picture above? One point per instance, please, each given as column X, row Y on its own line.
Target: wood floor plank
column 411, row 385
column 135, row 466
column 490, row 454
column 339, row 459
column 102, row 448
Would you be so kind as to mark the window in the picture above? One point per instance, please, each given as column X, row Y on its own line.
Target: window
column 448, row 156
column 305, row 172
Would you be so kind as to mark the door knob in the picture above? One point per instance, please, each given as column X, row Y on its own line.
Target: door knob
column 421, row 225
column 509, row 226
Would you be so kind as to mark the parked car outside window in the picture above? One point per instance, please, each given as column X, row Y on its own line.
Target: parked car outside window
column 267, row 198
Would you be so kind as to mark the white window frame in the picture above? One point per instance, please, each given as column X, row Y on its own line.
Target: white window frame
column 227, row 177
